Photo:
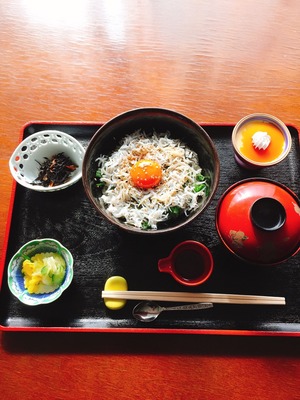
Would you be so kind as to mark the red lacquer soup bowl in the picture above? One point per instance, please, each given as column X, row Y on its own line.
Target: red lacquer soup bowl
column 258, row 220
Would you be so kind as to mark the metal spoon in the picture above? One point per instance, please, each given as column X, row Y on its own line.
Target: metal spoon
column 147, row 311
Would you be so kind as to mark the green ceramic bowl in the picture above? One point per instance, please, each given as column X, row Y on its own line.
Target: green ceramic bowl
column 16, row 277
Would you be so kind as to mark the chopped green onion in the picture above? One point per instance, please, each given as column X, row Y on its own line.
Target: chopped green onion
column 98, row 182
column 199, row 188
column 204, row 185
column 174, row 211
column 145, row 225
column 200, row 178
column 98, row 174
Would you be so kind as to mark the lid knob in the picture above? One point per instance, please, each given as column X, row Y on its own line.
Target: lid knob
column 268, row 214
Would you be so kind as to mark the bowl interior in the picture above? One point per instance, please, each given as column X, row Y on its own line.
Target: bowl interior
column 109, row 136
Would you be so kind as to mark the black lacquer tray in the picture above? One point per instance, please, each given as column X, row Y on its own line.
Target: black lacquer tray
column 101, row 250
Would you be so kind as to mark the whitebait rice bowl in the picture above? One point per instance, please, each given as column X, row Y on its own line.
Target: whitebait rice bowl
column 181, row 189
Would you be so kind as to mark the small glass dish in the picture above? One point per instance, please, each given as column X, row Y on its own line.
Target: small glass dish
column 16, row 277
column 25, row 161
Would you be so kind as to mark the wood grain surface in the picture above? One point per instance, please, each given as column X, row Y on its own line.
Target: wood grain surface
column 88, row 60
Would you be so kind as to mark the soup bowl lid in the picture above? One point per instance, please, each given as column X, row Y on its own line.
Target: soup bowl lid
column 258, row 220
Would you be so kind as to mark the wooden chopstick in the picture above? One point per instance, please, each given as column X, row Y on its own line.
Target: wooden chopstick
column 193, row 297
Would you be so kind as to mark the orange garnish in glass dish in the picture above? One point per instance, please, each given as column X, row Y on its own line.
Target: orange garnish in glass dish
column 146, row 174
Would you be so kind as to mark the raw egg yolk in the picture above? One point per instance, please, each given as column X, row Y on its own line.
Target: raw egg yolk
column 146, row 174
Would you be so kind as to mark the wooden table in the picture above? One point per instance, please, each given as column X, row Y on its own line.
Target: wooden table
column 88, row 60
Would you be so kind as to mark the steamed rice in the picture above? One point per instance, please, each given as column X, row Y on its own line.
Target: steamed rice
column 135, row 206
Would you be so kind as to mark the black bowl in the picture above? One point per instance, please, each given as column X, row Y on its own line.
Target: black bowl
column 107, row 139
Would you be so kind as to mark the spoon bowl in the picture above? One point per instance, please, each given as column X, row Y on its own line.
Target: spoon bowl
column 148, row 311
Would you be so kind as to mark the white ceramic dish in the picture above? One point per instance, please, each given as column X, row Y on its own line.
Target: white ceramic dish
column 24, row 162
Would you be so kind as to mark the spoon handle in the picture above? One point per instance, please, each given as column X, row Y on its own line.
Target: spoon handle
column 195, row 306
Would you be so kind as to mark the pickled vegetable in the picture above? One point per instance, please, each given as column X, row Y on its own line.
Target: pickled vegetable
column 43, row 272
